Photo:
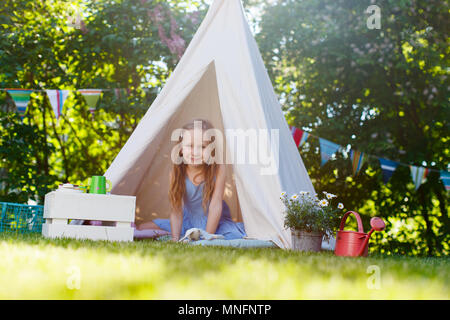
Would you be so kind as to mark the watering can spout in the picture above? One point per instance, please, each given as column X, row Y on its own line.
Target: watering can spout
column 376, row 224
column 364, row 244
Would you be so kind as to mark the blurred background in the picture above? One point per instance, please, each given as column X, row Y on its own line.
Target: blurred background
column 380, row 89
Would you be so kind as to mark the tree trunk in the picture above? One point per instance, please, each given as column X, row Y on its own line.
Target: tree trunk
column 438, row 187
column 424, row 203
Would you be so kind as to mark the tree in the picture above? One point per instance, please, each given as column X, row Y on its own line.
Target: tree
column 382, row 91
column 130, row 45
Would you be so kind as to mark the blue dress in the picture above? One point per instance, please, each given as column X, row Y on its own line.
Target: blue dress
column 194, row 216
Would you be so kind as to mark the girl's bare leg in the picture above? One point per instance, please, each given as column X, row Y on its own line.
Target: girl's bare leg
column 148, row 225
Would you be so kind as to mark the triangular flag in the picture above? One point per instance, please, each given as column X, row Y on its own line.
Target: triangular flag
column 57, row 98
column 358, row 159
column 91, row 96
column 299, row 136
column 445, row 177
column 327, row 149
column 21, row 98
column 304, row 137
column 418, row 175
column 387, row 168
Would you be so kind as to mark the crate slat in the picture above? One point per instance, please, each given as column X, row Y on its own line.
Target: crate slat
column 89, row 206
column 87, row 232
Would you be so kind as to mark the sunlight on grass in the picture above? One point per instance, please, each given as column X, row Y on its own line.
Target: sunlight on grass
column 37, row 268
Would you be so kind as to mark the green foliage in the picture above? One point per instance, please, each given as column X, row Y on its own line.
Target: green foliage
column 311, row 214
column 22, row 172
column 117, row 45
column 380, row 91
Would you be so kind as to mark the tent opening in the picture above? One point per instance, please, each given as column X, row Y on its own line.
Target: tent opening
column 152, row 199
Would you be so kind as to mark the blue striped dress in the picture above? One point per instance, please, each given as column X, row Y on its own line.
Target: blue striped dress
column 195, row 217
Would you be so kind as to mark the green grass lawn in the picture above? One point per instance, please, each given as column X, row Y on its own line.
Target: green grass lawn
column 33, row 267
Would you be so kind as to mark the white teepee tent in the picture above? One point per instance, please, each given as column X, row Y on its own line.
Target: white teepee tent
column 221, row 77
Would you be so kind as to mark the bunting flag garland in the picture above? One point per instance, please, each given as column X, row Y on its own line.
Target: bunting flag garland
column 300, row 136
column 358, row 159
column 91, row 96
column 387, row 167
column 57, row 98
column 21, row 98
column 327, row 149
column 445, row 177
column 418, row 175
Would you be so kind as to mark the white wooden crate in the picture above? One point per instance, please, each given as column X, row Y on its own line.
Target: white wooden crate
column 116, row 211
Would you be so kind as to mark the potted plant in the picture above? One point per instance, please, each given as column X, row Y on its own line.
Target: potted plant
column 310, row 219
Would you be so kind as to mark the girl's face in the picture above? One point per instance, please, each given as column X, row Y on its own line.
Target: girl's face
column 193, row 147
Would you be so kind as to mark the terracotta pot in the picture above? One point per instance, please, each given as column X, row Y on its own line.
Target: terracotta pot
column 306, row 241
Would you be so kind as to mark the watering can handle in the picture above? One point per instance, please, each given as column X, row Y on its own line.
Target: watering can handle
column 358, row 220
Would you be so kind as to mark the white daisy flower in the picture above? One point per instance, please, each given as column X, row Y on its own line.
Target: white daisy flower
column 330, row 195
column 340, row 206
column 294, row 197
column 283, row 193
column 303, row 193
column 323, row 203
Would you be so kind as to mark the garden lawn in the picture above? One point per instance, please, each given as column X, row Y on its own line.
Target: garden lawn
column 33, row 267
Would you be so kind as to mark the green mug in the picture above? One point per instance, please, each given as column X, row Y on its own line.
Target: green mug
column 98, row 185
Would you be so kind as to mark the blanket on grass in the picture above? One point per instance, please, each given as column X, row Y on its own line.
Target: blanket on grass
column 236, row 243
column 161, row 235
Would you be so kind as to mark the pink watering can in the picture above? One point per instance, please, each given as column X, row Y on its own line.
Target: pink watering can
column 352, row 243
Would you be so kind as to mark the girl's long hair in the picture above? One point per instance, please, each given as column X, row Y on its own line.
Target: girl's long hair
column 177, row 186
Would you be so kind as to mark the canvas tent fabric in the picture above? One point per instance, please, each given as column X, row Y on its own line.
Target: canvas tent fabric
column 222, row 78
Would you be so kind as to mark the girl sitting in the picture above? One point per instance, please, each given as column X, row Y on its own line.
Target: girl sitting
column 196, row 191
